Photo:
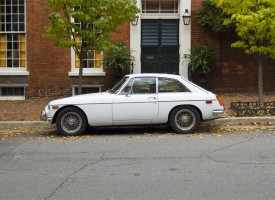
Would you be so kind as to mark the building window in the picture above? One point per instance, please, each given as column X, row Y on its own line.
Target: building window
column 12, row 34
column 91, row 60
column 87, row 89
column 12, row 91
column 159, row 6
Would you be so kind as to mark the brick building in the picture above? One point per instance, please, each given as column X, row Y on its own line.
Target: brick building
column 30, row 66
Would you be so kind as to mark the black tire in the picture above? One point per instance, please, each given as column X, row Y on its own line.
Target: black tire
column 184, row 119
column 71, row 122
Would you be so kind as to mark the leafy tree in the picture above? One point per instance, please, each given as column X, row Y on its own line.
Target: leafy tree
column 85, row 25
column 211, row 16
column 255, row 25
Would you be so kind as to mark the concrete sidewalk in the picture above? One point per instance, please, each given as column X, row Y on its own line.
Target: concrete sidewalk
column 221, row 121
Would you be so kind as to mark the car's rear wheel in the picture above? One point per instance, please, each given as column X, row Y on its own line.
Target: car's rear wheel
column 184, row 119
column 71, row 122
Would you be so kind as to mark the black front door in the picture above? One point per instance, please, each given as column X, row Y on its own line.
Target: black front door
column 160, row 46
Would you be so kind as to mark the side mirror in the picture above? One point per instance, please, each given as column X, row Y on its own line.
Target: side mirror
column 129, row 92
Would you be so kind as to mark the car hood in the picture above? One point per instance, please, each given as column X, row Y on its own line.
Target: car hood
column 102, row 97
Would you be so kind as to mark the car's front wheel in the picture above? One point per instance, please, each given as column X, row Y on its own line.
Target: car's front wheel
column 71, row 122
column 184, row 119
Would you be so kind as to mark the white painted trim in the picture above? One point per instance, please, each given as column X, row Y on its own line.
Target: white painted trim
column 185, row 38
column 87, row 72
column 184, row 35
column 160, row 16
column 135, row 42
column 13, row 72
column 12, row 98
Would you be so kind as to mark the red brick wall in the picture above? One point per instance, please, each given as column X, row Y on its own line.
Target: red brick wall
column 123, row 34
column 235, row 70
column 48, row 66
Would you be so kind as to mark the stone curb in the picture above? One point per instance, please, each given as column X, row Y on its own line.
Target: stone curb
column 221, row 121
column 23, row 124
column 241, row 120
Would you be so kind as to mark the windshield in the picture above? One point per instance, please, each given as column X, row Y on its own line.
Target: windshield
column 116, row 88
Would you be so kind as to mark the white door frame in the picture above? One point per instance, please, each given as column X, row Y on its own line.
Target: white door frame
column 184, row 36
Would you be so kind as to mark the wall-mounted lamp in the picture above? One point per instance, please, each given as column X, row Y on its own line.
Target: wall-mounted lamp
column 186, row 17
column 135, row 23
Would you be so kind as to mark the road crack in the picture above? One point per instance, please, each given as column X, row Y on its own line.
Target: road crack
column 207, row 155
column 70, row 175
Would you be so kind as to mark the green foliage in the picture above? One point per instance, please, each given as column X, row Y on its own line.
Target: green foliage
column 118, row 57
column 86, row 24
column 211, row 16
column 202, row 58
column 255, row 24
column 98, row 19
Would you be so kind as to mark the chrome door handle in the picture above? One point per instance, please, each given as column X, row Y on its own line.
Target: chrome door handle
column 152, row 98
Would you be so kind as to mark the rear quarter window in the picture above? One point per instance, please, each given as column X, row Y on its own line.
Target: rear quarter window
column 171, row 85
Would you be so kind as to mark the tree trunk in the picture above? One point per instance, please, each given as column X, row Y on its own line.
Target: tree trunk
column 260, row 82
column 80, row 72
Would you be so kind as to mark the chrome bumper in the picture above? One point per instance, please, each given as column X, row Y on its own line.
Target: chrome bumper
column 43, row 117
column 218, row 112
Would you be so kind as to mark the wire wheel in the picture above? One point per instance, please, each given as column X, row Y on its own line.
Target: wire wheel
column 184, row 119
column 71, row 122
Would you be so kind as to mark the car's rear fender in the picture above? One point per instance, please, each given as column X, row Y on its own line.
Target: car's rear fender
column 185, row 105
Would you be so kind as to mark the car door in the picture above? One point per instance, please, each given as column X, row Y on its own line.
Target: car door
column 137, row 103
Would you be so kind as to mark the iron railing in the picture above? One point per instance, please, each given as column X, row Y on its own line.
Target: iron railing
column 252, row 109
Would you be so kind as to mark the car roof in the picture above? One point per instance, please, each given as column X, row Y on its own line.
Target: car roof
column 193, row 87
column 154, row 75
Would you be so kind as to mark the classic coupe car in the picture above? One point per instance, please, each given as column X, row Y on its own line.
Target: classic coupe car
column 135, row 100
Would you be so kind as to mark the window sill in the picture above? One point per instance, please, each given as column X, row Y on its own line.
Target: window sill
column 88, row 73
column 12, row 98
column 13, row 72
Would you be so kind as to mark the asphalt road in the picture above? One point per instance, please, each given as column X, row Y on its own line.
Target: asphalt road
column 141, row 165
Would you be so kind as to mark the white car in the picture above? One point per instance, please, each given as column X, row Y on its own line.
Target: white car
column 137, row 99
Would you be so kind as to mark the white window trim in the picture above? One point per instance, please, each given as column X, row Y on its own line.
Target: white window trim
column 160, row 16
column 86, row 71
column 20, row 71
column 5, row 71
column 12, row 98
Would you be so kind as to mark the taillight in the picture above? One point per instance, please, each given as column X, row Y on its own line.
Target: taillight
column 219, row 100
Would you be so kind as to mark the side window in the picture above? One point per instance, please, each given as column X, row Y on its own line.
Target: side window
column 144, row 85
column 171, row 85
